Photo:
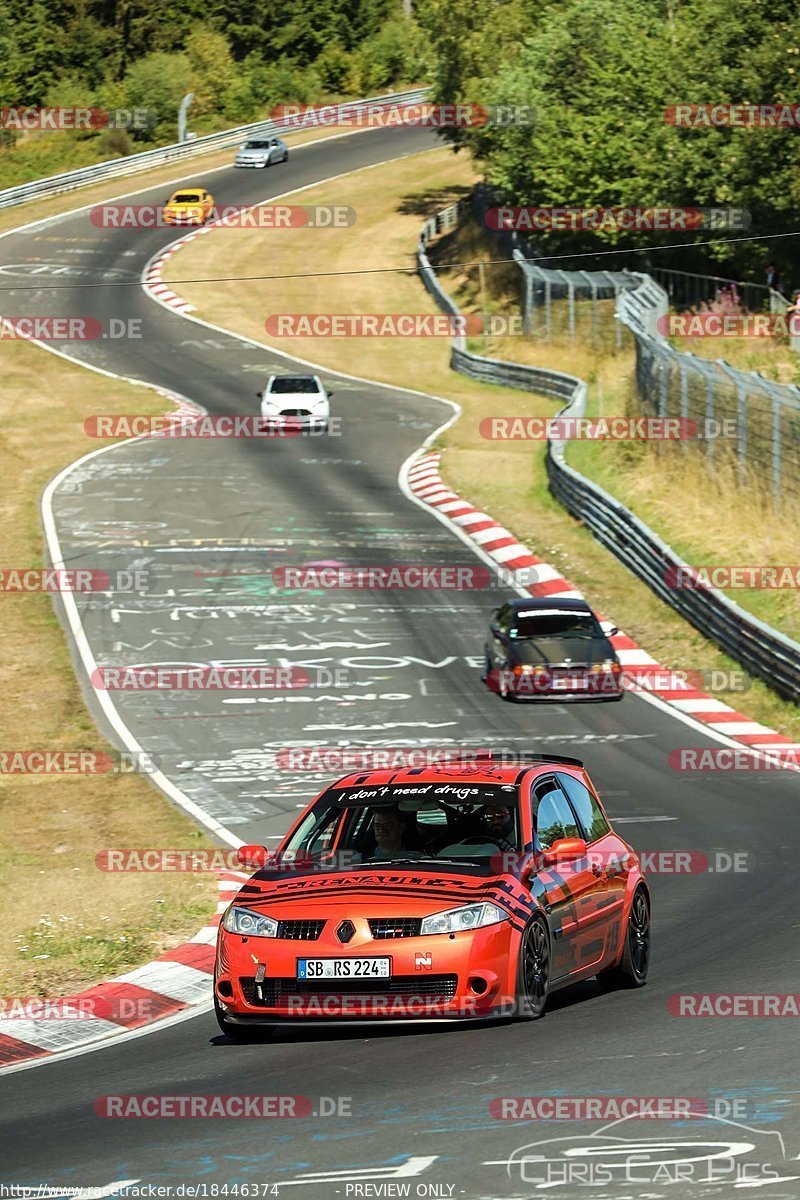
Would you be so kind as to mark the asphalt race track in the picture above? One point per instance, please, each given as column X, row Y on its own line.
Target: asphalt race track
column 418, row 1097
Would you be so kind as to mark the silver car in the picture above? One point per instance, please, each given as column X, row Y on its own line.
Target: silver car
column 261, row 152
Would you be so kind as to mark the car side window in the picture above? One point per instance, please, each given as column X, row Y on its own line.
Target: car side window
column 554, row 818
column 589, row 811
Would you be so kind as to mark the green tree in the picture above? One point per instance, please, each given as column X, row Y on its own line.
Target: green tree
column 158, row 83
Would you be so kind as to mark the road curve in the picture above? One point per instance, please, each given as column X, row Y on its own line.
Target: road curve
column 187, row 511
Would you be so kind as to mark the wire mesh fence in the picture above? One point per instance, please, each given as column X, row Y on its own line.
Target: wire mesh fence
column 741, row 418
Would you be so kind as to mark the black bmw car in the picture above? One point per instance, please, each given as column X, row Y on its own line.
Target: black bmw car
column 551, row 649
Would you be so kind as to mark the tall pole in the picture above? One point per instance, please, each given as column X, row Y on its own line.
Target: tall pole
column 182, row 111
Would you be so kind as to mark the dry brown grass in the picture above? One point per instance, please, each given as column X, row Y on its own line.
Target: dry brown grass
column 67, row 924
column 507, row 478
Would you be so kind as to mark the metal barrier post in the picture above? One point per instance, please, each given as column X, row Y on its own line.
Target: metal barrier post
column 776, row 449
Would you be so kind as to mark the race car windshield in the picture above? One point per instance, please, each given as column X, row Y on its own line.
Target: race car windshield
column 186, row 198
column 551, row 623
column 294, row 384
column 464, row 823
column 256, row 146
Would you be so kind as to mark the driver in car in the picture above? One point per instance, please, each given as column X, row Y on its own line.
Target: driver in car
column 390, row 830
column 498, row 821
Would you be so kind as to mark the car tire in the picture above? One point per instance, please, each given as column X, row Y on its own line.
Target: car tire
column 502, row 689
column 631, row 970
column 285, row 157
column 533, row 971
column 239, row 1033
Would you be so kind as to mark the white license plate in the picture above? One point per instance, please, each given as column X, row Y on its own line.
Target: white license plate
column 343, row 968
column 570, row 683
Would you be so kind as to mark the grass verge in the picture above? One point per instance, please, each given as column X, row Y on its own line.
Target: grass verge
column 68, row 924
column 507, row 479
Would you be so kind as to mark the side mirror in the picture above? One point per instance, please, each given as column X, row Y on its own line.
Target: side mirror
column 608, row 628
column 254, row 856
column 565, row 850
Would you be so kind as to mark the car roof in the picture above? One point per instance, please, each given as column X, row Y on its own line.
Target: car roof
column 566, row 604
column 294, row 375
column 501, row 773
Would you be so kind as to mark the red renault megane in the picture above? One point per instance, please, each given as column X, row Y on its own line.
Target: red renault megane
column 442, row 893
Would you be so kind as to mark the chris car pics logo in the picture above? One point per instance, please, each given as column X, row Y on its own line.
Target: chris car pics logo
column 714, row 1154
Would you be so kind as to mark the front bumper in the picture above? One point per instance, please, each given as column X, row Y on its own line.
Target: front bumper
column 469, row 976
column 575, row 687
column 183, row 218
column 580, row 697
column 279, row 420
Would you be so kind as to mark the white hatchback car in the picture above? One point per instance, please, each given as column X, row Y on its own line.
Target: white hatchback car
column 297, row 399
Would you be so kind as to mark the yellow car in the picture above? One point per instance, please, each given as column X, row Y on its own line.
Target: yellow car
column 188, row 206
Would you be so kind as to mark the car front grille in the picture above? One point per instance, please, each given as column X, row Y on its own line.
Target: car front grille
column 274, row 993
column 395, row 927
column 295, row 412
column 300, row 931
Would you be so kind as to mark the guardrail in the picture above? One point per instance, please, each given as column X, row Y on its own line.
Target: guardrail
column 118, row 167
column 764, row 651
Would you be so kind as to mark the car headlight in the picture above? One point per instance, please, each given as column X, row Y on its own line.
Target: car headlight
column 604, row 667
column 252, row 924
column 457, row 920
